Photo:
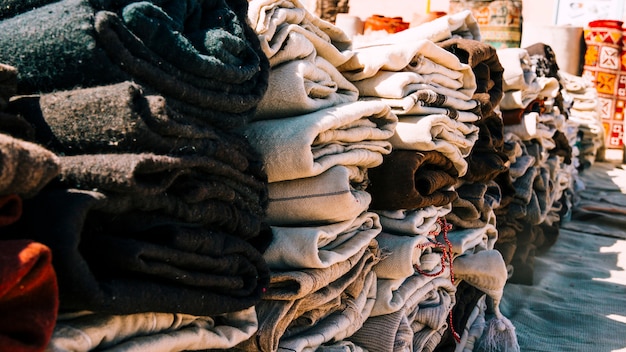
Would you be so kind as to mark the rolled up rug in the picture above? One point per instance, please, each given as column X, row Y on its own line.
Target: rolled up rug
column 201, row 54
column 350, row 134
column 29, row 296
column 122, row 117
column 336, row 195
column 117, row 265
column 411, row 180
column 158, row 332
column 25, row 167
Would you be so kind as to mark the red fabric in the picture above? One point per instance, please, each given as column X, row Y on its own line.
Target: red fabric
column 28, row 296
column 10, row 209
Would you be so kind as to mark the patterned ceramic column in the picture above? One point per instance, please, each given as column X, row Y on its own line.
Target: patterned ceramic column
column 604, row 67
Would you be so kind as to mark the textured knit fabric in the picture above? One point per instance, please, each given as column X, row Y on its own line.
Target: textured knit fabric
column 420, row 221
column 120, row 264
column 29, row 296
column 25, row 167
column 201, row 54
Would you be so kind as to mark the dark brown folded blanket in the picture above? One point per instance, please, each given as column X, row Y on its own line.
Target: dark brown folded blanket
column 411, row 180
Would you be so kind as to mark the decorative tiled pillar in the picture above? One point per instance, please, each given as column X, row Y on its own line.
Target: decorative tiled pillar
column 605, row 68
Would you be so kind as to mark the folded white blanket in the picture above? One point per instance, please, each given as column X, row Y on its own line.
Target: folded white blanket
column 393, row 295
column 401, row 255
column 155, row 332
column 301, row 86
column 462, row 24
column 421, row 57
column 466, row 241
column 335, row 195
column 274, row 21
column 320, row 246
column 302, row 146
column 412, row 221
column 452, row 138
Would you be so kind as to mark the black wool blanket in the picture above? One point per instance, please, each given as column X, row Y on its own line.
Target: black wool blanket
column 123, row 118
column 200, row 53
column 125, row 266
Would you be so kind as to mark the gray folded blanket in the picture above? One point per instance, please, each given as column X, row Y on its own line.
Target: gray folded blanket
column 123, row 118
column 202, row 54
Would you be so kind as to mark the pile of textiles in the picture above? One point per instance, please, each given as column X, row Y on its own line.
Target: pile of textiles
column 242, row 175
column 153, row 206
column 539, row 139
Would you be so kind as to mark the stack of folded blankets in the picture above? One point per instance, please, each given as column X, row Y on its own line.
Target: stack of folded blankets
column 436, row 277
column 154, row 219
column 241, row 175
column 316, row 141
column 539, row 147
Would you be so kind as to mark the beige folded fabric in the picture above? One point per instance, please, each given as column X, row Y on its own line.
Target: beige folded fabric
column 331, row 197
column 518, row 70
column 471, row 240
column 301, row 86
column 421, row 57
column 451, row 138
column 403, row 254
column 394, row 295
column 275, row 20
column 473, row 328
column 354, row 134
column 462, row 24
column 541, row 87
column 412, row 221
column 320, row 246
column 155, row 332
column 357, row 306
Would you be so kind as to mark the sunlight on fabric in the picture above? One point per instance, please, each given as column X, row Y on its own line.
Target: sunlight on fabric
column 617, row 276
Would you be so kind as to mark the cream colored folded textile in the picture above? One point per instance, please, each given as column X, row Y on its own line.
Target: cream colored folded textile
column 451, row 138
column 462, row 24
column 472, row 240
column 334, row 196
column 301, row 86
column 421, row 57
column 412, row 221
column 402, row 254
column 154, row 332
column 306, row 145
column 320, row 246
column 276, row 22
